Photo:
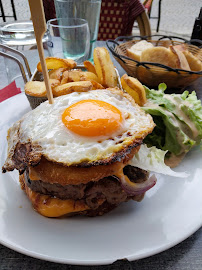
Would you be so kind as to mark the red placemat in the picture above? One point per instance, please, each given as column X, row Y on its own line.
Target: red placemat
column 9, row 91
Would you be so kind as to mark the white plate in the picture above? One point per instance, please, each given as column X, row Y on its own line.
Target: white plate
column 169, row 213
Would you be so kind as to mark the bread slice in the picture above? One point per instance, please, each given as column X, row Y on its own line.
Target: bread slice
column 183, row 63
column 160, row 55
column 136, row 50
column 194, row 63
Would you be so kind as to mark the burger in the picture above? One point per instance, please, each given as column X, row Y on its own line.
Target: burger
column 76, row 156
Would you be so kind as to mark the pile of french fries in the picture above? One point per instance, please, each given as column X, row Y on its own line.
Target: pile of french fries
column 66, row 77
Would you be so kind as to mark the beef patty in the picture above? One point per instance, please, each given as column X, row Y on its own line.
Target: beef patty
column 108, row 188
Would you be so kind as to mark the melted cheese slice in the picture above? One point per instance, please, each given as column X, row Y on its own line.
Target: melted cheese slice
column 33, row 175
column 53, row 207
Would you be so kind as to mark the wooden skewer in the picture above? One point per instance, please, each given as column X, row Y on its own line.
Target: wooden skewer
column 39, row 23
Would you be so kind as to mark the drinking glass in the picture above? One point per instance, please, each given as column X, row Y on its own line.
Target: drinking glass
column 69, row 38
column 18, row 35
column 85, row 9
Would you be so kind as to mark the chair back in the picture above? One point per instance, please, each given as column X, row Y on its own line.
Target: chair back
column 117, row 18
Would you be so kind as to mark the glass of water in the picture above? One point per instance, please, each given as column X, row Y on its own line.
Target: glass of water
column 18, row 35
column 69, row 38
column 85, row 9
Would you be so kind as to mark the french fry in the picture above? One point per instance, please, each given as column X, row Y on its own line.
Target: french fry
column 104, row 67
column 96, row 85
column 70, row 63
column 88, row 76
column 38, row 89
column 78, row 75
column 65, row 77
column 75, row 76
column 56, row 73
column 134, row 88
column 68, row 88
column 55, row 63
column 90, row 67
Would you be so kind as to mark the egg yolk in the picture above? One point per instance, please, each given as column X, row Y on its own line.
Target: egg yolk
column 92, row 118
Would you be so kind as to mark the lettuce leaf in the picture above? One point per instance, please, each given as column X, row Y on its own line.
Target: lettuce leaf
column 194, row 112
column 152, row 159
column 178, row 119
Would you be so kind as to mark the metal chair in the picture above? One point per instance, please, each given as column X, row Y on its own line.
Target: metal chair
column 148, row 6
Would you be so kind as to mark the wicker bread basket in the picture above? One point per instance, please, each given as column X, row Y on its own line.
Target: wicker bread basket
column 151, row 74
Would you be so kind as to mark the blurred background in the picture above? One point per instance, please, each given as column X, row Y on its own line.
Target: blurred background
column 177, row 17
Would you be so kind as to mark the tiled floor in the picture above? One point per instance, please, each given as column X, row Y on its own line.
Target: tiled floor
column 177, row 16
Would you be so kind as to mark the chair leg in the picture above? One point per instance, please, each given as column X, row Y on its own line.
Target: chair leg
column 149, row 11
column 159, row 16
column 2, row 12
column 13, row 8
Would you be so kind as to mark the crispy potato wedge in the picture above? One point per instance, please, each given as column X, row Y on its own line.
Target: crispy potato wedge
column 65, row 77
column 70, row 63
column 75, row 76
column 68, row 88
column 55, row 63
column 38, row 89
column 183, row 63
column 56, row 73
column 78, row 75
column 71, row 76
column 90, row 76
column 104, row 67
column 96, row 85
column 90, row 67
column 134, row 88
column 194, row 63
column 160, row 55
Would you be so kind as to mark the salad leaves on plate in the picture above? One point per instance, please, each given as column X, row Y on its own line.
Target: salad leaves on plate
column 178, row 119
column 152, row 159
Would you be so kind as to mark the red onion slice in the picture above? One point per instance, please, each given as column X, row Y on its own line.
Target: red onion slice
column 137, row 188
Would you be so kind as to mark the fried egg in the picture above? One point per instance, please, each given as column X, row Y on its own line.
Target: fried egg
column 84, row 126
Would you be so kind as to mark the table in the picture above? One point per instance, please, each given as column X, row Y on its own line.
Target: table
column 186, row 255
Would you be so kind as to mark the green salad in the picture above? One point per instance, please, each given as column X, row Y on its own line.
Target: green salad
column 178, row 119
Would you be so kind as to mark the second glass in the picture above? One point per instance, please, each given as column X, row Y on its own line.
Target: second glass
column 69, row 38
column 85, row 9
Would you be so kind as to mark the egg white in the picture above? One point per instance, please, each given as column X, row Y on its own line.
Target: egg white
column 44, row 127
